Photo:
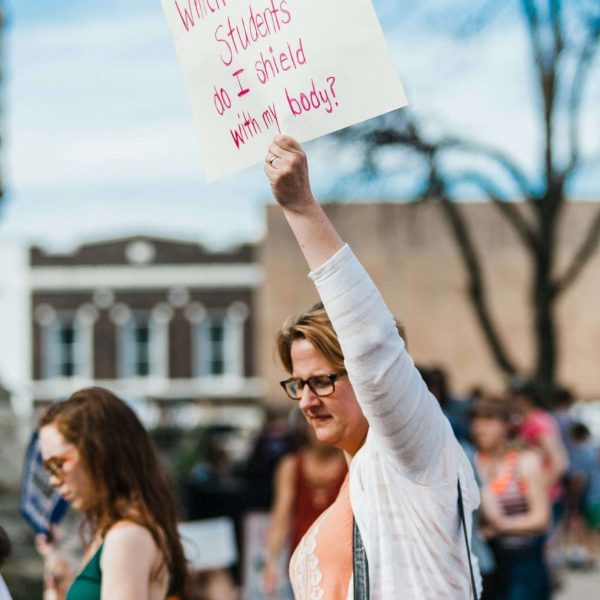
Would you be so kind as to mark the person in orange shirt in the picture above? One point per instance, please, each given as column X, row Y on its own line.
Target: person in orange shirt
column 515, row 505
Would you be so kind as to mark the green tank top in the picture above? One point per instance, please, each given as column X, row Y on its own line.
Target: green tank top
column 87, row 584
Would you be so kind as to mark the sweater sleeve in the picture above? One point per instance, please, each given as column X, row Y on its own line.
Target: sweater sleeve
column 404, row 417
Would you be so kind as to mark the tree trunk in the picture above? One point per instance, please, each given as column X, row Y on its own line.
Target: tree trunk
column 543, row 293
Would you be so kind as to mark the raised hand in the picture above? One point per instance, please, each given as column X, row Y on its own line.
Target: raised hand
column 287, row 169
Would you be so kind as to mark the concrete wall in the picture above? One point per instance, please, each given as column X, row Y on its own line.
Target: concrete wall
column 409, row 252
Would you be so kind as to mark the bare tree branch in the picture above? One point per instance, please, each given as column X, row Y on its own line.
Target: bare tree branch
column 582, row 69
column 556, row 20
column 588, row 247
column 476, row 283
column 509, row 210
column 554, row 28
column 501, row 158
column 546, row 60
column 531, row 13
column 436, row 189
column 410, row 136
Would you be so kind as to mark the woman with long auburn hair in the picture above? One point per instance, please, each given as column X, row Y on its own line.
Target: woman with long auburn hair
column 102, row 461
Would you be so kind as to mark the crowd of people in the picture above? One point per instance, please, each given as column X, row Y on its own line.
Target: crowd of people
column 396, row 486
column 538, row 469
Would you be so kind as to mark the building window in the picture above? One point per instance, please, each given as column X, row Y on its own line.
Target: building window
column 143, row 343
column 211, row 335
column 219, row 343
column 141, row 332
column 135, row 347
column 66, row 342
column 60, row 356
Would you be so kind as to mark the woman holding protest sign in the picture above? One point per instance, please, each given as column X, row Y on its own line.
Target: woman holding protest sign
column 395, row 528
column 103, row 462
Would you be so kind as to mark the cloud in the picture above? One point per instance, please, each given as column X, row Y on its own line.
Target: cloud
column 101, row 139
column 100, row 134
column 96, row 101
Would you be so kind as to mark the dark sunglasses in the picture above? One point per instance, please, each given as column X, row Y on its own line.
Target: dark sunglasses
column 55, row 465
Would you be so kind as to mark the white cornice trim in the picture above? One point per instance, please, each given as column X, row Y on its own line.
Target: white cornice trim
column 147, row 277
column 157, row 387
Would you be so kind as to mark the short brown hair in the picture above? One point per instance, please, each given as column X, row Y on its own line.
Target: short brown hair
column 314, row 325
column 492, row 407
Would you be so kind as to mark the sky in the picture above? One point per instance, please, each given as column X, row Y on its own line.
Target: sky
column 99, row 141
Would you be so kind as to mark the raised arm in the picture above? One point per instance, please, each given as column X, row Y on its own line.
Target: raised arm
column 287, row 170
column 402, row 414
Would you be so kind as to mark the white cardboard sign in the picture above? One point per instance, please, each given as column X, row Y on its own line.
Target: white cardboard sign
column 256, row 68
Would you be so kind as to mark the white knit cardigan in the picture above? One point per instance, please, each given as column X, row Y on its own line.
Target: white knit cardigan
column 403, row 480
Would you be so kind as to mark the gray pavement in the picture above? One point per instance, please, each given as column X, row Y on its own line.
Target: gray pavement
column 579, row 585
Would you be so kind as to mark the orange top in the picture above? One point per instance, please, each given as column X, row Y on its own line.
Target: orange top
column 500, row 484
column 321, row 566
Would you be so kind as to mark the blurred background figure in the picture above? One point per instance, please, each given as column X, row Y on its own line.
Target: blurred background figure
column 456, row 410
column 61, row 553
column 562, row 402
column 306, row 483
column 515, row 505
column 275, row 440
column 539, row 429
column 582, row 517
column 210, row 548
column 216, row 584
column 5, row 547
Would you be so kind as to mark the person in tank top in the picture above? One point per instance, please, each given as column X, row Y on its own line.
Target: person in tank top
column 515, row 506
column 102, row 461
column 306, row 483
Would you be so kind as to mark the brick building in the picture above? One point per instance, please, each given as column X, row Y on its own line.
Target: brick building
column 169, row 321
column 153, row 319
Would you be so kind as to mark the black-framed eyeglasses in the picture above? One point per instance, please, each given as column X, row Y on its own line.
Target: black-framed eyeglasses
column 320, row 385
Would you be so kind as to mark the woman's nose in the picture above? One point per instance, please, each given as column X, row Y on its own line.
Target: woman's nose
column 308, row 399
column 54, row 481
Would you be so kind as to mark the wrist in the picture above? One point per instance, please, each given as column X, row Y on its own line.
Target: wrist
column 302, row 205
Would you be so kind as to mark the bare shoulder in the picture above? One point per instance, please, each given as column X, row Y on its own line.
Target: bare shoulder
column 285, row 472
column 128, row 539
column 288, row 463
column 530, row 462
column 128, row 530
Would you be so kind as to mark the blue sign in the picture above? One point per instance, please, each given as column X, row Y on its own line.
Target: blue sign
column 41, row 504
